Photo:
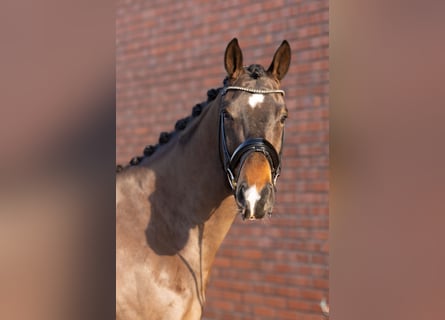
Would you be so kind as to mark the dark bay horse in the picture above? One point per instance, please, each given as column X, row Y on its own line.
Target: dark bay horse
column 175, row 204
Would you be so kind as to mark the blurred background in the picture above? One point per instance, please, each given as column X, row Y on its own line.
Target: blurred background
column 168, row 54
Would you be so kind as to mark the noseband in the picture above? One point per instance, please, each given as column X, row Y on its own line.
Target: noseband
column 230, row 162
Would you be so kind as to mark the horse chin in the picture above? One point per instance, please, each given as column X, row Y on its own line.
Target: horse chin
column 251, row 218
column 246, row 216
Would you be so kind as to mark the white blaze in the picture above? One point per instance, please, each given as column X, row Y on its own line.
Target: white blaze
column 252, row 196
column 254, row 99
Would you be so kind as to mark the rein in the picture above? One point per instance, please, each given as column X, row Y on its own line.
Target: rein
column 230, row 162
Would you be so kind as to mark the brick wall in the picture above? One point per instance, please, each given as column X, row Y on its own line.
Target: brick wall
column 168, row 54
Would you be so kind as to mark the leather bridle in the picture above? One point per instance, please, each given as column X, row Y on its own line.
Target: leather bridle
column 230, row 162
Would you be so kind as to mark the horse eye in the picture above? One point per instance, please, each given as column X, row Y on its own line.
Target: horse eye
column 283, row 118
column 227, row 116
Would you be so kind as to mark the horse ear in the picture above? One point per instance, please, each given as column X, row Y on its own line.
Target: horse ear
column 280, row 62
column 233, row 59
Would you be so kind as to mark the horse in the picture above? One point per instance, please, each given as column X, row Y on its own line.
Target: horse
column 176, row 203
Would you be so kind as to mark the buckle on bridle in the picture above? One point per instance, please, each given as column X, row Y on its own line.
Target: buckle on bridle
column 231, row 178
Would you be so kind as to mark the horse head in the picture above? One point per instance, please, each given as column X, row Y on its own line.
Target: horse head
column 252, row 117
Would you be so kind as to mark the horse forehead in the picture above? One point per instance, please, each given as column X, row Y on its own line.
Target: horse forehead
column 249, row 101
column 258, row 102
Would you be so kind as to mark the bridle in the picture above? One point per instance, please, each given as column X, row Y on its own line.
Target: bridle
column 230, row 162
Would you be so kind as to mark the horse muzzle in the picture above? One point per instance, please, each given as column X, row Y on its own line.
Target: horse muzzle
column 253, row 203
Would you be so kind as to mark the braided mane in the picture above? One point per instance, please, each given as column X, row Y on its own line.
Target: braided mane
column 165, row 137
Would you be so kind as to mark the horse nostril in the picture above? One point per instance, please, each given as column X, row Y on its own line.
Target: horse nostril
column 240, row 195
column 265, row 204
column 270, row 193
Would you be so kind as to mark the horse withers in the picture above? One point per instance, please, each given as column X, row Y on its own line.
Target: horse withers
column 176, row 203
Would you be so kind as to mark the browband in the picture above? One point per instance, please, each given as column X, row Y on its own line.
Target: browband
column 258, row 91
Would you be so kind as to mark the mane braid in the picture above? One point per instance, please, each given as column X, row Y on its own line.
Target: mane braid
column 165, row 137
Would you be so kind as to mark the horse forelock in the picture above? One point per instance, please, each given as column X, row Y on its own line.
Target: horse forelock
column 256, row 71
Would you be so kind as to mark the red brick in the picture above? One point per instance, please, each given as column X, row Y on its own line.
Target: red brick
column 223, row 305
column 263, row 311
column 275, row 302
column 303, row 305
column 286, row 315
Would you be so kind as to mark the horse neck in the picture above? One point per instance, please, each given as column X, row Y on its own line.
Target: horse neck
column 191, row 166
column 196, row 181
